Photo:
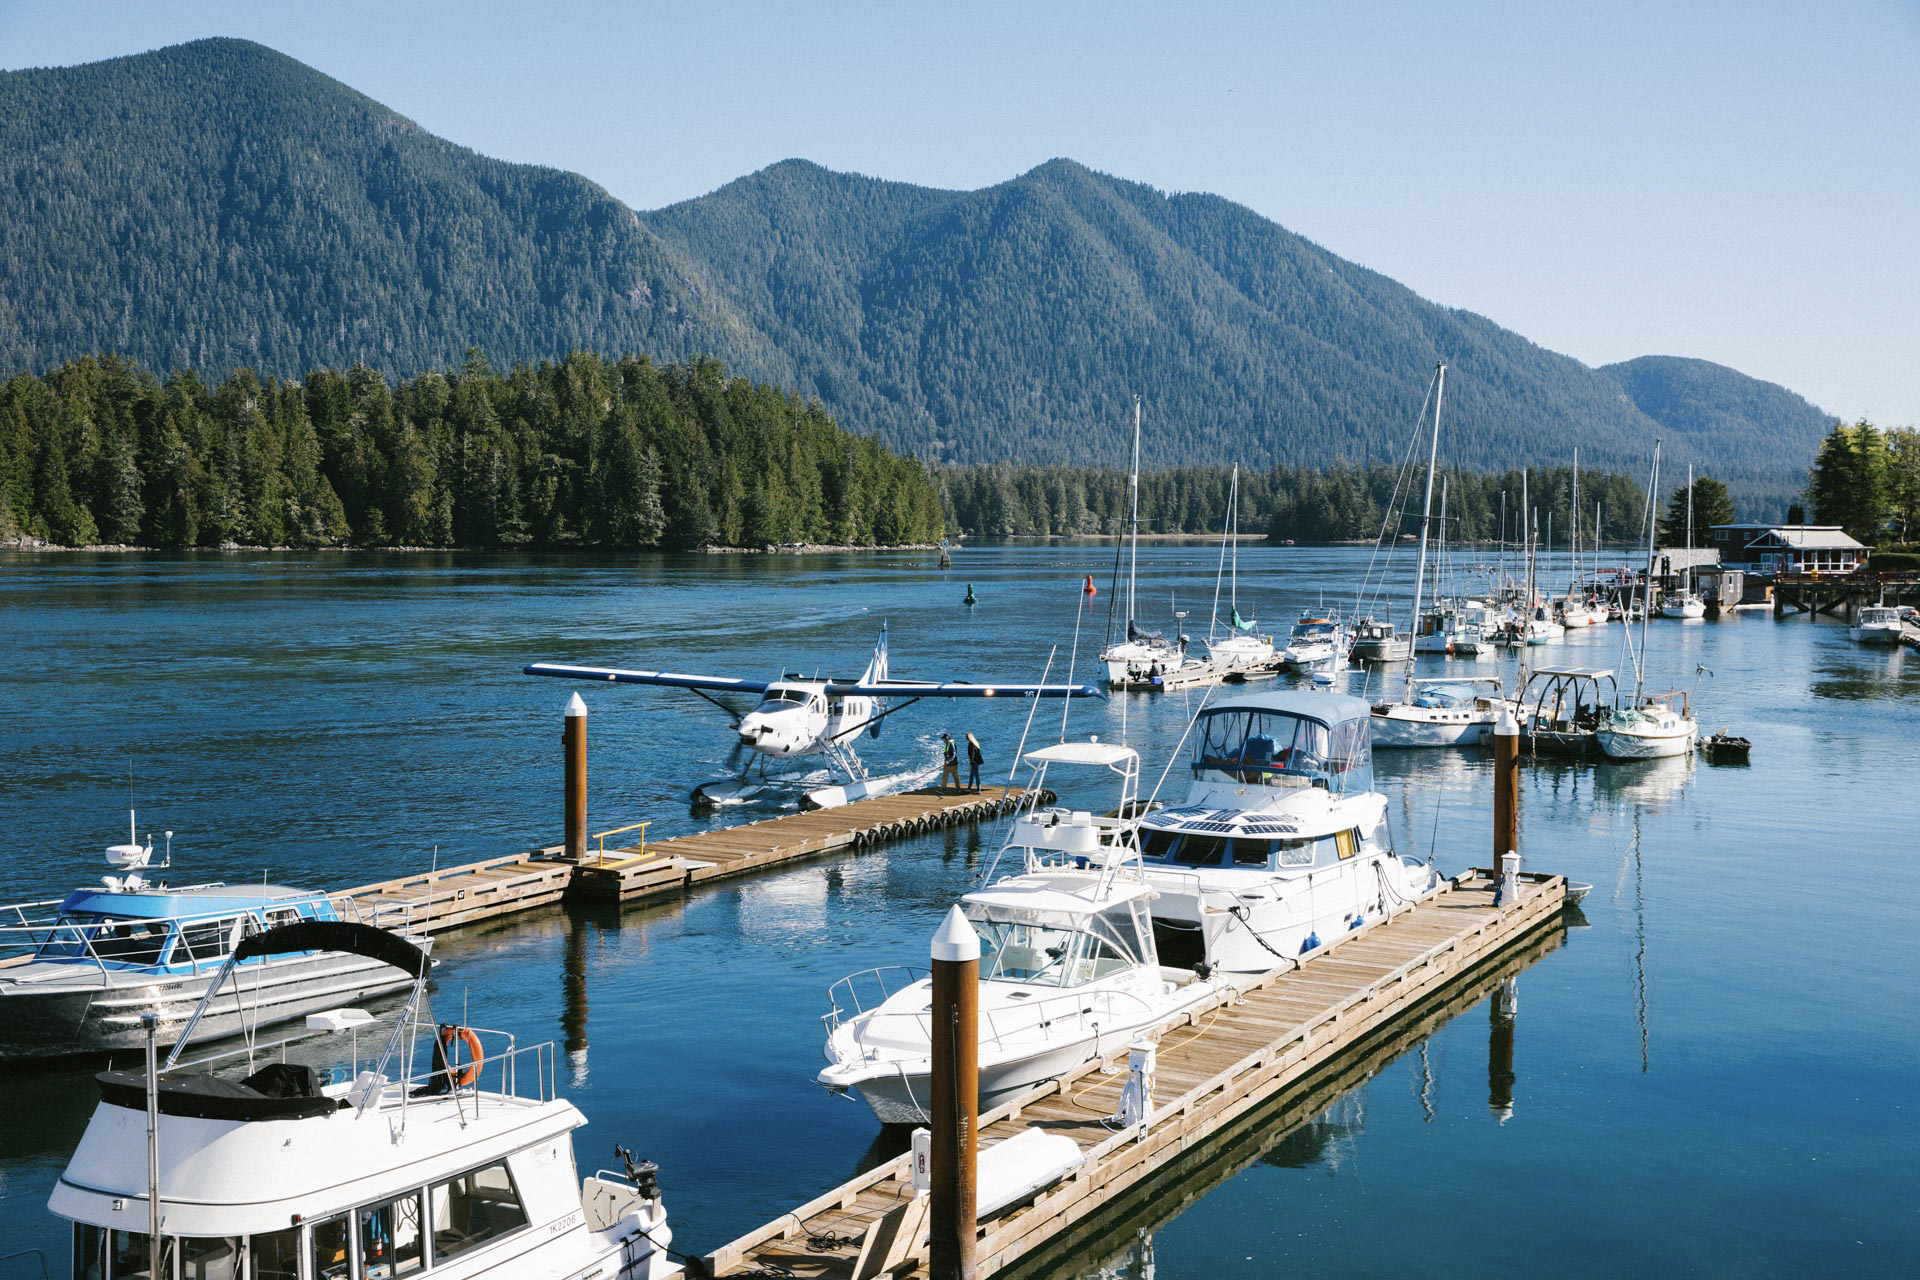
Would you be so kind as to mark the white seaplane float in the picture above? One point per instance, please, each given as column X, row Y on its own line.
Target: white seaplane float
column 799, row 717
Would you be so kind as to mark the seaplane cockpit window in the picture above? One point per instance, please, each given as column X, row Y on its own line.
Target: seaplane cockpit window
column 472, row 1209
column 790, row 697
column 390, row 1239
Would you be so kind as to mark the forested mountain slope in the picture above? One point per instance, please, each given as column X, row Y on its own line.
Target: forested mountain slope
column 218, row 204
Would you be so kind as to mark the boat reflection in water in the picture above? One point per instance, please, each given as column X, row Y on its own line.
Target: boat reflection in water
column 1119, row 1240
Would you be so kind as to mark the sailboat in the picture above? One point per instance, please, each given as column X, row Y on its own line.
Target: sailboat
column 1141, row 652
column 1573, row 610
column 1686, row 603
column 1435, row 713
column 1652, row 725
column 1241, row 650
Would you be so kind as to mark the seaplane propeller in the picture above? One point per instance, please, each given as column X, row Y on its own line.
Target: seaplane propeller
column 798, row 716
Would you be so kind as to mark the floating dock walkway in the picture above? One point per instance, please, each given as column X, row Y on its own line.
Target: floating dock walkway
column 1214, row 1066
column 453, row 897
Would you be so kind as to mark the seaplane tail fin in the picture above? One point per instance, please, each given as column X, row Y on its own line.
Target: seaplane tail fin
column 877, row 674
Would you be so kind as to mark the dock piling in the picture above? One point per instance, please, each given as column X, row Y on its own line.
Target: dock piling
column 573, row 739
column 1506, row 787
column 953, row 1230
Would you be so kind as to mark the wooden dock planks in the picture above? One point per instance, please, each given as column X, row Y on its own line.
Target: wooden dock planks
column 451, row 897
column 1214, row 1065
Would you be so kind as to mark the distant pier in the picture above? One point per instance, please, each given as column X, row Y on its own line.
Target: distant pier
column 477, row 892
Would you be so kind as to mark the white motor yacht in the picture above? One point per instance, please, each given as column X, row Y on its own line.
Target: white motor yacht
column 1068, row 968
column 460, row 1169
column 1316, row 643
column 1654, row 728
column 1876, row 624
column 1282, row 845
column 1458, row 711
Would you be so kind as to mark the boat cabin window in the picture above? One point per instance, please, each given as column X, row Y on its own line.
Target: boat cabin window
column 276, row 1255
column 1032, row 953
column 330, row 1241
column 390, row 1237
column 218, row 1258
column 101, row 1254
column 204, row 940
column 470, row 1210
column 1295, row 853
column 121, row 941
column 1256, row 746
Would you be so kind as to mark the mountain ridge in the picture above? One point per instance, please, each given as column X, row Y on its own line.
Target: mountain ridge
column 252, row 211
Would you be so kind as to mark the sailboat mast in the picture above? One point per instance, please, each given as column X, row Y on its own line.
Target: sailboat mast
column 1133, row 556
column 1573, row 541
column 1687, row 568
column 1233, row 540
column 1646, row 604
column 1426, row 518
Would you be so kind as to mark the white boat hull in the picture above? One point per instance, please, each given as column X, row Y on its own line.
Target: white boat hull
column 1403, row 726
column 1683, row 609
column 1617, row 744
column 1876, row 635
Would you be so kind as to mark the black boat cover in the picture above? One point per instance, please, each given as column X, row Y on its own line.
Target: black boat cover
column 335, row 935
column 214, row 1098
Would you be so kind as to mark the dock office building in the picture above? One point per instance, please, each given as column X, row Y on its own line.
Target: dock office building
column 1787, row 549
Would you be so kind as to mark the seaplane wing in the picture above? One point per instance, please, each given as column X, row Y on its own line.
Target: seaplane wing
column 673, row 680
column 958, row 689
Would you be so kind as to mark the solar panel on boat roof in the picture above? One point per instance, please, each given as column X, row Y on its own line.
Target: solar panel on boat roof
column 1222, row 827
column 1265, row 828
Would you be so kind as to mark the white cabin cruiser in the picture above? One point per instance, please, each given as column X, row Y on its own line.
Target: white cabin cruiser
column 457, row 1171
column 1316, row 643
column 1282, row 845
column 1457, row 711
column 1876, row 624
column 1068, row 968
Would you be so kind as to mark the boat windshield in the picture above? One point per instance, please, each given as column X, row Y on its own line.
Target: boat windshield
column 123, row 941
column 1258, row 746
column 1047, row 952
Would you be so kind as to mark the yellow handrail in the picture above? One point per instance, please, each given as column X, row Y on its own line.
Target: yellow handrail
column 641, row 827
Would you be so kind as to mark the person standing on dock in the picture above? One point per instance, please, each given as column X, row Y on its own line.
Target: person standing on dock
column 949, row 762
column 975, row 758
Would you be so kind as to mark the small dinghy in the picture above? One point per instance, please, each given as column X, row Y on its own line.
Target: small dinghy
column 1725, row 748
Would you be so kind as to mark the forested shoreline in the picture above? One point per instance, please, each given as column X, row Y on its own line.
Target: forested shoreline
column 585, row 452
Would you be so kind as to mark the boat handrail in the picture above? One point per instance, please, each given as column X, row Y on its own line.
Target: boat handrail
column 1040, row 1014
column 889, row 978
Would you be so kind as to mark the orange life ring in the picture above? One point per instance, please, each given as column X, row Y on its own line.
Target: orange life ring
column 476, row 1056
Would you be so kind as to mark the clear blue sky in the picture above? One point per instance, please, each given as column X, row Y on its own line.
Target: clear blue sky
column 1734, row 181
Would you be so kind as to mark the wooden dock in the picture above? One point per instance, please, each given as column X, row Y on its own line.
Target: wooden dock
column 452, row 897
column 1216, row 1066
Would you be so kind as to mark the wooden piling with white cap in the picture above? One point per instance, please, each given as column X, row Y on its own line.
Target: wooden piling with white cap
column 953, row 1230
column 573, row 741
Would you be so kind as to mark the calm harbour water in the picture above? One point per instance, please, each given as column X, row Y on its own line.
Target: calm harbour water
column 1715, row 1066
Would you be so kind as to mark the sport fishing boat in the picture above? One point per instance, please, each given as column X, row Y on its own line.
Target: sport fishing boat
column 1316, row 643
column 447, row 1155
column 77, row 973
column 1283, row 845
column 1454, row 711
column 1876, row 624
column 1067, row 960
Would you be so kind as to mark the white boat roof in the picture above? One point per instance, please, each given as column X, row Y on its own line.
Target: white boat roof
column 1103, row 753
column 1456, row 680
column 1041, row 892
column 1584, row 673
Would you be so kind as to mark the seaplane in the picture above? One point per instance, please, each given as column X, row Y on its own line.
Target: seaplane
column 799, row 716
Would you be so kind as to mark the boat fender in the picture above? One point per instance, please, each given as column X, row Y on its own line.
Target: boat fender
column 1311, row 941
column 466, row 1075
